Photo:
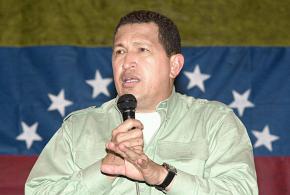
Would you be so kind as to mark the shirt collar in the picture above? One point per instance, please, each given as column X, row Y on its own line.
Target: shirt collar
column 166, row 105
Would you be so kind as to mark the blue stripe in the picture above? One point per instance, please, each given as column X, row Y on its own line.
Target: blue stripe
column 29, row 74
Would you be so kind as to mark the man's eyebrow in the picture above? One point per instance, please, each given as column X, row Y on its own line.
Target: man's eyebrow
column 136, row 43
column 118, row 45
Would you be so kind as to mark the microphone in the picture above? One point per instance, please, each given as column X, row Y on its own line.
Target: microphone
column 127, row 104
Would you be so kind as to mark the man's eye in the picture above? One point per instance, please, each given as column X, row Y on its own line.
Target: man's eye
column 120, row 51
column 142, row 49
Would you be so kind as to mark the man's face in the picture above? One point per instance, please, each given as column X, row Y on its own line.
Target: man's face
column 141, row 66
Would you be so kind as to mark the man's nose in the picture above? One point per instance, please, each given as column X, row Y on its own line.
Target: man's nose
column 130, row 61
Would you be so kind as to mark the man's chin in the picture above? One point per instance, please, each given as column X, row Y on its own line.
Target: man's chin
column 128, row 91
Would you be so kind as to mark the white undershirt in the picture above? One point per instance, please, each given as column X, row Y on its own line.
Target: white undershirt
column 151, row 122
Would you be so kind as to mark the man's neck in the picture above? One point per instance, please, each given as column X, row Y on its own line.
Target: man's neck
column 145, row 108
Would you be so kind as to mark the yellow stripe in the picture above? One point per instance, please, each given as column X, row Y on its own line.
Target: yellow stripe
column 91, row 22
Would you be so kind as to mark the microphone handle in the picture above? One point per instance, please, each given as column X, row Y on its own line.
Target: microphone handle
column 127, row 114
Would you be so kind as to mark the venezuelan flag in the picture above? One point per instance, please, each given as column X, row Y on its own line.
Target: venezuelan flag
column 55, row 57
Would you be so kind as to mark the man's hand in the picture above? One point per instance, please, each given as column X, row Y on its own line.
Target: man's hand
column 126, row 156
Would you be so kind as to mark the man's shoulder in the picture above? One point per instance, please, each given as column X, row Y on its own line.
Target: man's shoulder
column 105, row 107
column 204, row 104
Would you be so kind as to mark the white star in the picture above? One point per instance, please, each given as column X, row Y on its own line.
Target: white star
column 99, row 85
column 29, row 134
column 59, row 102
column 241, row 102
column 196, row 78
column 265, row 138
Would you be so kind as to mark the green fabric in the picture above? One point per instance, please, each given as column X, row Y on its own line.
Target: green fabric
column 91, row 22
column 204, row 140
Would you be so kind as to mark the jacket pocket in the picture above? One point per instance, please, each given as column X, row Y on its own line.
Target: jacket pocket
column 189, row 157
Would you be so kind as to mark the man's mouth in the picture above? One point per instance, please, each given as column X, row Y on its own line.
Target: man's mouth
column 129, row 81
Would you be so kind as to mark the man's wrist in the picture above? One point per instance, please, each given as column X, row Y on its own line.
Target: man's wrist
column 171, row 172
column 163, row 173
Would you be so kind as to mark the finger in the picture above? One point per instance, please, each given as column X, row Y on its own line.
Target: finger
column 130, row 135
column 133, row 143
column 131, row 155
column 111, row 146
column 138, row 149
column 127, row 125
column 133, row 123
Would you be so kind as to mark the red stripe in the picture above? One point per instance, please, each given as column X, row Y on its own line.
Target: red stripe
column 273, row 174
column 13, row 173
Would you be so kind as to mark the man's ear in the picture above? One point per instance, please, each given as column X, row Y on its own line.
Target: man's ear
column 176, row 64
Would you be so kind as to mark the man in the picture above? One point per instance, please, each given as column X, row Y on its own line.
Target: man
column 179, row 145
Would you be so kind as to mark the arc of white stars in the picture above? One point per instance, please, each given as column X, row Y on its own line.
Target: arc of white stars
column 58, row 102
column 99, row 85
column 265, row 138
column 196, row 78
column 241, row 101
column 29, row 134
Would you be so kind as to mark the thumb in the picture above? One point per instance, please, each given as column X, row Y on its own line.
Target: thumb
column 113, row 169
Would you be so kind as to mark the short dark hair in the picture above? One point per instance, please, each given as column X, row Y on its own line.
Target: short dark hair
column 168, row 33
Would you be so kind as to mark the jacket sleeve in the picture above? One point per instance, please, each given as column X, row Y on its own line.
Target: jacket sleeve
column 56, row 173
column 229, row 169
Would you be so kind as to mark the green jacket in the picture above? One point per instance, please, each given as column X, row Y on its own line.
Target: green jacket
column 204, row 140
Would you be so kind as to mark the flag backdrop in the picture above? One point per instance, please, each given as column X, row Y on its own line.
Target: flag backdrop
column 47, row 72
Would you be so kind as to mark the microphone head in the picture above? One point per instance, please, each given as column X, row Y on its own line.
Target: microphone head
column 127, row 102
